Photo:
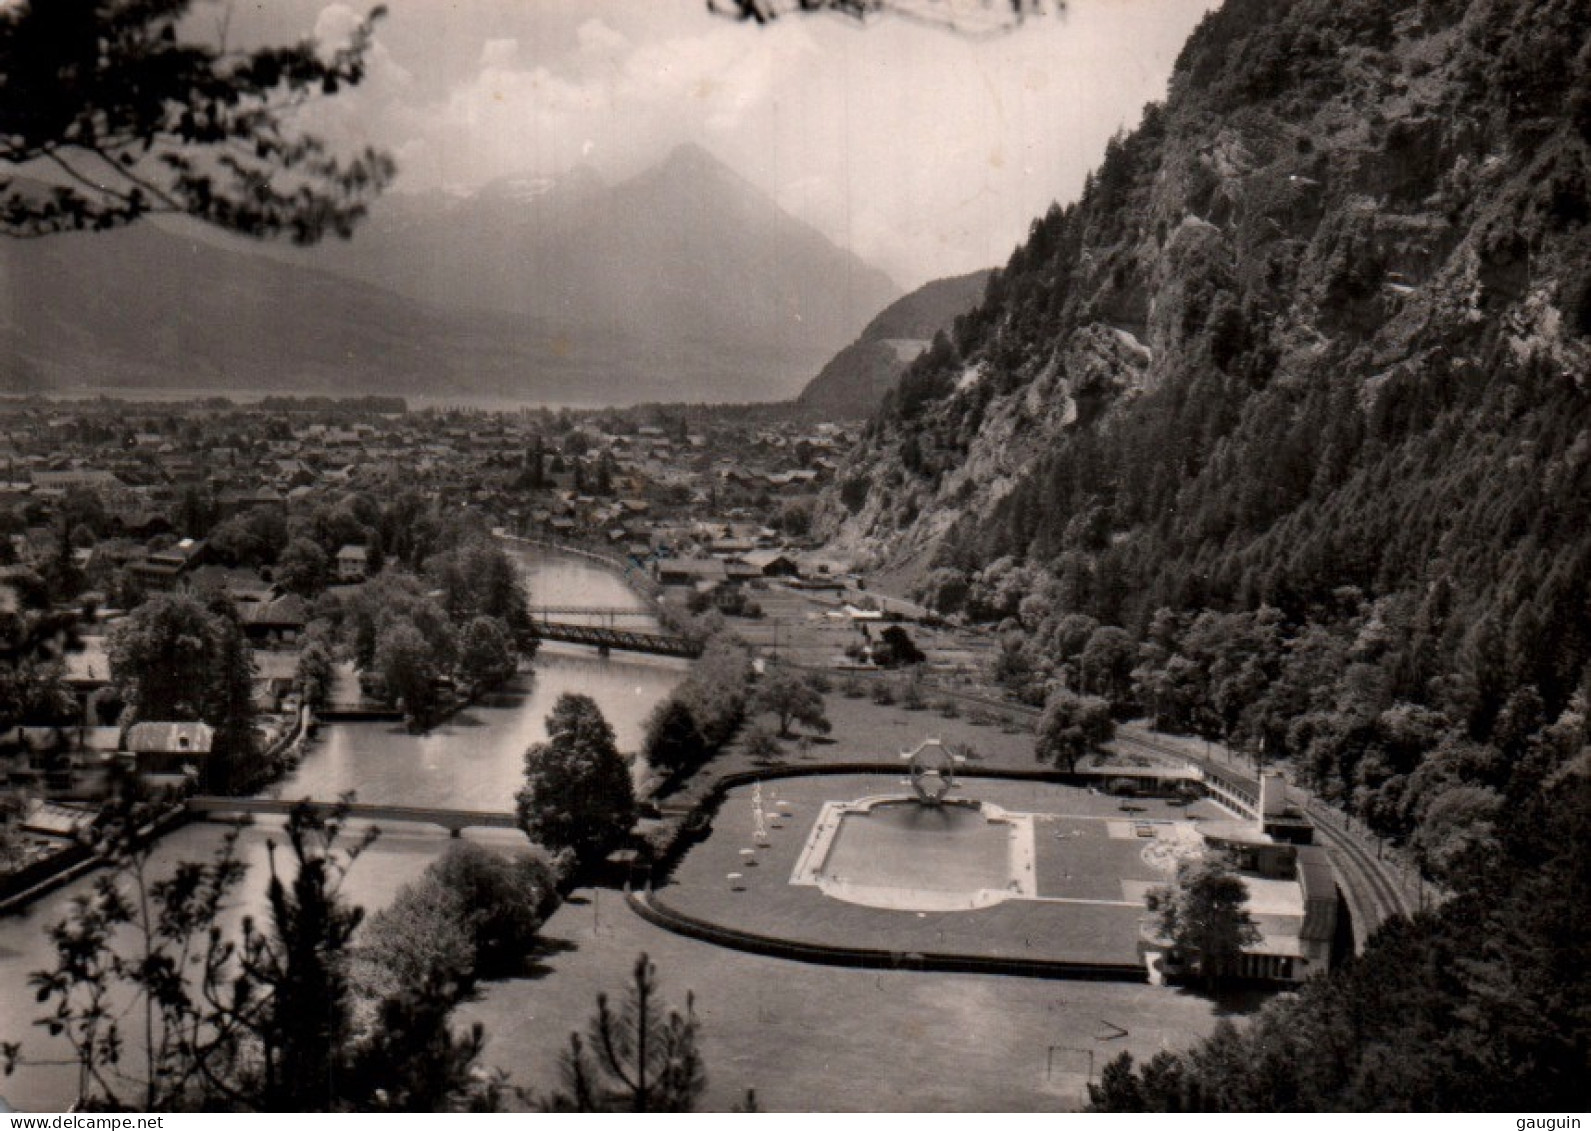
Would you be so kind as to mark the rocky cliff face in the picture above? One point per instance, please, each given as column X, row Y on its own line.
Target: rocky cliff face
column 1345, row 267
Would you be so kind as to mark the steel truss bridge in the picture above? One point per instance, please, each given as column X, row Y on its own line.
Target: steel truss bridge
column 544, row 613
column 608, row 639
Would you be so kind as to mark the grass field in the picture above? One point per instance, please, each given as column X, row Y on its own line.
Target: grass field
column 825, row 1038
column 796, row 626
column 864, row 731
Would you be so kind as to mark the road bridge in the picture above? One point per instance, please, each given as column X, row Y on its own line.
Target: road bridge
column 454, row 821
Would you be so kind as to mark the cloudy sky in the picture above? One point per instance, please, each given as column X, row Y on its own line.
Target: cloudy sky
column 927, row 153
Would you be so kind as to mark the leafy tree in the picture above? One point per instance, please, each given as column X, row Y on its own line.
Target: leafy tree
column 1071, row 728
column 1016, row 669
column 345, row 521
column 577, row 794
column 315, row 674
column 946, row 590
column 254, row 538
column 408, row 671
column 486, row 654
column 790, row 697
column 1106, row 665
column 641, row 1056
column 1204, row 915
column 896, row 648
column 674, row 742
column 12, row 843
column 164, row 1010
column 717, row 688
column 419, row 938
column 415, row 1061
column 391, row 596
column 197, row 512
column 82, row 506
column 299, row 962
column 60, row 569
column 761, row 745
column 1457, row 824
column 232, row 765
column 478, row 578
column 165, row 657
column 946, row 14
column 795, row 518
column 502, row 899
column 120, row 115
column 34, row 643
column 1118, row 1089
column 303, row 568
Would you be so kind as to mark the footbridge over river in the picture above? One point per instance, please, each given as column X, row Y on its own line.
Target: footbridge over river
column 454, row 821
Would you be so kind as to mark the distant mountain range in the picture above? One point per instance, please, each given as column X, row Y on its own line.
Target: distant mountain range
column 855, row 380
column 685, row 283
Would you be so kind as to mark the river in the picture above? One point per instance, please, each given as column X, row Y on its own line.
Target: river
column 474, row 761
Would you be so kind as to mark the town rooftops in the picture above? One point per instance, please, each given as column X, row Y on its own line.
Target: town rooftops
column 89, row 665
column 55, row 818
column 179, row 553
column 170, row 738
column 692, row 569
column 77, row 477
column 290, row 611
column 1315, row 875
column 239, row 583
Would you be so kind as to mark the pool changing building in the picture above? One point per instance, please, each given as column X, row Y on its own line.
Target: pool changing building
column 1292, row 889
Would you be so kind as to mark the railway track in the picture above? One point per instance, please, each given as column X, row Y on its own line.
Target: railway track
column 1372, row 895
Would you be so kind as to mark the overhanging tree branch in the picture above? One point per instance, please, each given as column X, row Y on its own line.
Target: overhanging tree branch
column 112, row 80
column 964, row 17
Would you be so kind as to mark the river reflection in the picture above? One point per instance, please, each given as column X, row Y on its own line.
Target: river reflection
column 474, row 761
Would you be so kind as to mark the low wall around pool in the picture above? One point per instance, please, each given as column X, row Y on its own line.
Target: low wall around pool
column 1066, row 900
column 911, row 864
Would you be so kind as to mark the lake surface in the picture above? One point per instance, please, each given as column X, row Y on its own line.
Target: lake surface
column 475, row 761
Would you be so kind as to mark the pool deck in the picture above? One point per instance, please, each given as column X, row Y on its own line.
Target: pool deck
column 1090, row 861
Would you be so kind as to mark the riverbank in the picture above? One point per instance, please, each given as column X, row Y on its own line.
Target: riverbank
column 76, row 859
column 473, row 761
column 633, row 573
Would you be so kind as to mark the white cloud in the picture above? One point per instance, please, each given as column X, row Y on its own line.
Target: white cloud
column 597, row 38
column 926, row 152
column 620, row 102
column 499, row 55
column 335, row 26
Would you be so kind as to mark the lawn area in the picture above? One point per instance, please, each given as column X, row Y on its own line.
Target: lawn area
column 796, row 626
column 810, row 1037
column 864, row 731
column 832, row 1039
column 1085, row 851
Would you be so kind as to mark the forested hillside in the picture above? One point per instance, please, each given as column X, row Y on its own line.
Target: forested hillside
column 856, row 380
column 1281, row 434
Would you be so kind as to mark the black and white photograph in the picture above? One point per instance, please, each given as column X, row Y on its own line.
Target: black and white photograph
column 741, row 556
